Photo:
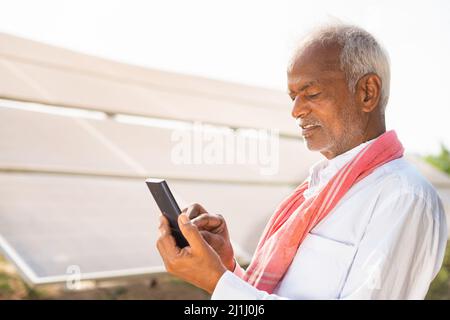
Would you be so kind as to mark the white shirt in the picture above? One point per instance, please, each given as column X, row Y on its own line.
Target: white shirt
column 385, row 239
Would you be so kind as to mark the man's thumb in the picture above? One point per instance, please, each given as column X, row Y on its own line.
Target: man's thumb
column 191, row 233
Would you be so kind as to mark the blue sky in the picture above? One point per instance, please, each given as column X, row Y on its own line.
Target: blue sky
column 250, row 41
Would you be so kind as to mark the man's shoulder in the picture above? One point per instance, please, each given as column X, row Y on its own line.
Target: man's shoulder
column 402, row 178
column 403, row 192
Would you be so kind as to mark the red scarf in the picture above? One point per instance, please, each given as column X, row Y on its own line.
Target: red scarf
column 295, row 217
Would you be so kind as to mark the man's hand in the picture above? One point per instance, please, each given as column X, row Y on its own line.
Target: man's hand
column 214, row 230
column 197, row 263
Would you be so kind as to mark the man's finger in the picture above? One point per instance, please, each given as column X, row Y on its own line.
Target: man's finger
column 163, row 222
column 166, row 242
column 207, row 221
column 206, row 235
column 164, row 226
column 194, row 210
column 192, row 234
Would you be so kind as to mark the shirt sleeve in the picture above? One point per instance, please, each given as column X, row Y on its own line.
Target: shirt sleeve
column 231, row 287
column 401, row 251
column 238, row 270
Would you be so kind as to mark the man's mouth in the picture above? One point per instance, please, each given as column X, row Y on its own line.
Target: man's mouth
column 307, row 129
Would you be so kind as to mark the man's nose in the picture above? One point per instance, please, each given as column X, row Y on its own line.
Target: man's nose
column 300, row 108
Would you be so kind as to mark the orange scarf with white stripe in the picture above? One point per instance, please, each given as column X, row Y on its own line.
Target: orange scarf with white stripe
column 295, row 217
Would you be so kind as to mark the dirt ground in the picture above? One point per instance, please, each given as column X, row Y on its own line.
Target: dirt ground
column 158, row 287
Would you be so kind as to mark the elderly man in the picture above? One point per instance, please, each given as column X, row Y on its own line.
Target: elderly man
column 364, row 225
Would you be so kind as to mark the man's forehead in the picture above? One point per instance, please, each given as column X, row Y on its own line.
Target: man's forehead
column 318, row 66
column 310, row 79
column 300, row 85
column 315, row 57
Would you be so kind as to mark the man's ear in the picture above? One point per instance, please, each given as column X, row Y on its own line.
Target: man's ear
column 368, row 92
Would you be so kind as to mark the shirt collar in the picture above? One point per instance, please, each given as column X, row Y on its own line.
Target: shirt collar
column 322, row 171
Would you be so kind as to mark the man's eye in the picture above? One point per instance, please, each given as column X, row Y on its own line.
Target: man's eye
column 312, row 96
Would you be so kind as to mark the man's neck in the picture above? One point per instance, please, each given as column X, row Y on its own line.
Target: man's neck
column 330, row 154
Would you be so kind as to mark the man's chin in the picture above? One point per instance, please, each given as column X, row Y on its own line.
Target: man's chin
column 314, row 145
column 311, row 145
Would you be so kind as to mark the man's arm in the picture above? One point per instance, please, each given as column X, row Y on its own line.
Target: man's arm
column 401, row 251
column 197, row 263
column 231, row 287
column 399, row 255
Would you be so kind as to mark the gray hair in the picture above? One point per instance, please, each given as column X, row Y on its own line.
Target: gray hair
column 361, row 54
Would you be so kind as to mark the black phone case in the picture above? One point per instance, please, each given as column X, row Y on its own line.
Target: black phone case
column 168, row 206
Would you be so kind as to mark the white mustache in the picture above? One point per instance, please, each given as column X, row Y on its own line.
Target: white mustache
column 301, row 123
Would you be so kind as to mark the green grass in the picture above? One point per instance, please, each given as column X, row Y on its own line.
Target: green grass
column 440, row 287
column 5, row 286
column 441, row 161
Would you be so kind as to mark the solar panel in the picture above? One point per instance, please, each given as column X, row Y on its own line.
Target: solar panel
column 39, row 141
column 108, row 227
column 51, row 142
column 73, row 194
column 33, row 81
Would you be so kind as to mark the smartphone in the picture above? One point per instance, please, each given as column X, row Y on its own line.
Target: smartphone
column 168, row 206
